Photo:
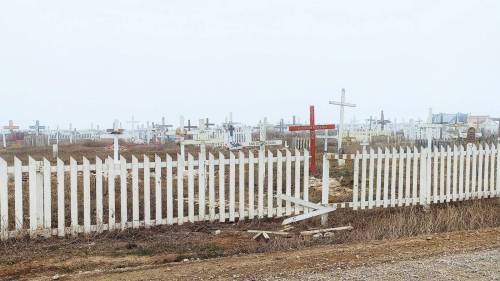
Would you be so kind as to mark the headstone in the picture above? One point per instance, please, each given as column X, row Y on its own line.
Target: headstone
column 471, row 135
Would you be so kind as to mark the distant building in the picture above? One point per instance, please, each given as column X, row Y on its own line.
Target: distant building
column 447, row 118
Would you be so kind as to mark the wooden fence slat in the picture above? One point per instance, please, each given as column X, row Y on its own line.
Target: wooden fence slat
column 270, row 180
column 288, row 183
column 498, row 172
column 123, row 192
column 435, row 188
column 47, row 196
column 251, row 185
column 480, row 172
column 279, row 183
column 170, row 191
column 222, row 197
column 408, row 177
column 297, row 180
column 415, row 176
column 371, row 179
column 98, row 194
column 492, row 171
column 61, row 225
column 355, row 189
column 241, row 186
column 455, row 173
column 232, row 186
column 461, row 174
column 147, row 192
column 428, row 179
column 400, row 177
column 135, row 192
column 18, row 193
column 4, row 201
column 467, row 172
column 201, row 186
column 211, row 187
column 386, row 177
column 180, row 189
column 363, row 179
column 260, row 191
column 393, row 177
column 305, row 178
column 158, row 193
column 86, row 195
column 32, row 195
column 190, row 188
column 474, row 172
column 74, row 196
column 448, row 174
column 111, row 194
column 379, row 178
column 442, row 196
column 423, row 178
column 486, row 184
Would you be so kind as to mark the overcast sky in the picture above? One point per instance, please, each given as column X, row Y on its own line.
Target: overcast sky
column 93, row 61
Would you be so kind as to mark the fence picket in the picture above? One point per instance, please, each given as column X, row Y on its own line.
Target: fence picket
column 211, row 187
column 18, row 193
column 448, row 174
column 241, row 186
column 423, row 178
column 415, row 176
column 386, row 177
column 4, row 201
column 461, row 174
column 158, row 195
column 442, row 196
column 135, row 192
column 371, row 179
column 260, row 192
column 480, row 193
column 123, row 192
column 222, row 197
column 201, row 186
column 408, row 177
column 486, row 184
column 98, row 194
column 467, row 172
column 74, row 196
column 297, row 180
column 400, row 177
column 180, row 189
column 86, row 195
column 428, row 180
column 279, row 183
column 435, row 175
column 170, row 191
column 270, row 184
column 498, row 172
column 232, row 186
column 61, row 227
column 251, row 185
column 306, row 178
column 288, row 183
column 363, row 179
column 355, row 199
column 492, row 171
column 379, row 178
column 147, row 192
column 190, row 188
column 393, row 177
column 111, row 194
column 474, row 172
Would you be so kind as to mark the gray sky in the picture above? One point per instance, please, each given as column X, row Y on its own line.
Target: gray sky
column 93, row 61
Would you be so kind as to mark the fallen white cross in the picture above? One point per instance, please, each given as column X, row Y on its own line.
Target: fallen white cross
column 318, row 209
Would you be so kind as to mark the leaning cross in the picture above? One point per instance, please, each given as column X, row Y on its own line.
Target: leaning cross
column 342, row 105
column 312, row 127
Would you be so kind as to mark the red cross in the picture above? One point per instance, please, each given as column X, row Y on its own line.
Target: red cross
column 312, row 127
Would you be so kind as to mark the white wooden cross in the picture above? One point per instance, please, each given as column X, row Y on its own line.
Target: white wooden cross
column 262, row 142
column 318, row 210
column 116, row 132
column 342, row 105
column 325, row 137
column 429, row 128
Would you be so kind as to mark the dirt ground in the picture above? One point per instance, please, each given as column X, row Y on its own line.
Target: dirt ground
column 431, row 256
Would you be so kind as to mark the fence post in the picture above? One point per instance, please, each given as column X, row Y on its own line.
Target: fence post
column 325, row 187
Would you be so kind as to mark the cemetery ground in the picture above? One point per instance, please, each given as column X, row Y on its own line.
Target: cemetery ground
column 227, row 251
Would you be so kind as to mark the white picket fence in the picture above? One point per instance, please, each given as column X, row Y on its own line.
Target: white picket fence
column 390, row 178
column 58, row 196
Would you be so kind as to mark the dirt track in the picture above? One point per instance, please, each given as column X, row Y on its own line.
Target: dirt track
column 354, row 261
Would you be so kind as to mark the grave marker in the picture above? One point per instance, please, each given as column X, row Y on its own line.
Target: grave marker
column 342, row 105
